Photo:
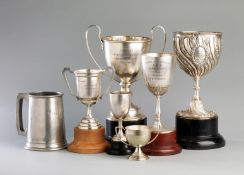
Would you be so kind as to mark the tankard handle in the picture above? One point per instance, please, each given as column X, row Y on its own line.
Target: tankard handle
column 162, row 28
column 87, row 42
column 67, row 69
column 19, row 115
column 110, row 81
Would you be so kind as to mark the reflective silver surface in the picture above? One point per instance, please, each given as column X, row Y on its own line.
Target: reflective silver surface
column 123, row 54
column 88, row 91
column 157, row 71
column 198, row 53
column 46, row 129
column 138, row 136
column 120, row 105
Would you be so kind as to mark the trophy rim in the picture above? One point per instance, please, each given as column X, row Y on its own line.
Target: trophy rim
column 197, row 32
column 137, row 127
column 127, row 39
column 88, row 71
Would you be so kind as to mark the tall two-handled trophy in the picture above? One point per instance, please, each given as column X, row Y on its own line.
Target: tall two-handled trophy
column 197, row 53
column 123, row 54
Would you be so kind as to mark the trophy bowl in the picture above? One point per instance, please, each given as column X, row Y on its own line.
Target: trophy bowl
column 197, row 54
column 138, row 136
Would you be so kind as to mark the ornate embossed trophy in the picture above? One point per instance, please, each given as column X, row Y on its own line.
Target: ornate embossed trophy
column 120, row 104
column 123, row 54
column 89, row 134
column 158, row 71
column 198, row 53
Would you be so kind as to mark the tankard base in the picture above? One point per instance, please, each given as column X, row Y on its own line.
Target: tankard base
column 111, row 124
column 45, row 147
column 87, row 141
column 199, row 134
column 119, row 148
column 164, row 145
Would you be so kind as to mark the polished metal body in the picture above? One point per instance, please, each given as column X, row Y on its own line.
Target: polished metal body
column 120, row 105
column 197, row 53
column 157, row 71
column 123, row 54
column 138, row 136
column 88, row 91
column 46, row 129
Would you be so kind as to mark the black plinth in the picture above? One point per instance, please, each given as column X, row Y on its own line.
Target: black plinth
column 198, row 134
column 111, row 124
column 119, row 148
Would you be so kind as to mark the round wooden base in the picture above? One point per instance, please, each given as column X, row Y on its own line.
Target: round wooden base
column 198, row 134
column 119, row 149
column 88, row 141
column 111, row 124
column 164, row 145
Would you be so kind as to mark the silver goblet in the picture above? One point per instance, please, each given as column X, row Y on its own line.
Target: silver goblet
column 198, row 53
column 157, row 72
column 120, row 105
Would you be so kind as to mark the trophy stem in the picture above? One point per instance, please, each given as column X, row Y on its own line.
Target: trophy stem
column 125, row 86
column 197, row 88
column 138, row 154
column 157, row 123
column 88, row 112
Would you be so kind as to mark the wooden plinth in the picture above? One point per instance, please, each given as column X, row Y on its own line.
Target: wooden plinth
column 88, row 141
column 164, row 145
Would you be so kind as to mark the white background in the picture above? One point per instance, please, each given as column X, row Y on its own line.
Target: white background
column 39, row 38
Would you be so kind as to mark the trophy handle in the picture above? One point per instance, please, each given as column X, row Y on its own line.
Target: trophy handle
column 19, row 116
column 110, row 81
column 87, row 42
column 66, row 80
column 162, row 28
column 116, row 132
column 153, row 138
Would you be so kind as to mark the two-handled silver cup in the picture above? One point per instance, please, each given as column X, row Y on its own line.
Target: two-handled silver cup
column 88, row 91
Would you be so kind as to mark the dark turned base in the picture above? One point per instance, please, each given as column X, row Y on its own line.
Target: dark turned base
column 119, row 149
column 164, row 145
column 198, row 134
column 111, row 124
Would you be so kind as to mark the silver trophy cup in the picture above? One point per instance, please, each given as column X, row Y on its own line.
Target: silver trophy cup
column 88, row 91
column 123, row 54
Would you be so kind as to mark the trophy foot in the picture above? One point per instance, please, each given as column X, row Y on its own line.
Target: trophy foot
column 198, row 134
column 119, row 148
column 88, row 141
column 164, row 145
column 111, row 123
column 138, row 155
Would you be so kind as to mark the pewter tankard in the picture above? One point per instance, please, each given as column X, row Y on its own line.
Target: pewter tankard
column 46, row 129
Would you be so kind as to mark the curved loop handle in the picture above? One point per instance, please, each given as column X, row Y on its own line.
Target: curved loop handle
column 67, row 69
column 110, row 81
column 87, row 42
column 116, row 132
column 160, row 27
column 19, row 116
column 154, row 137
